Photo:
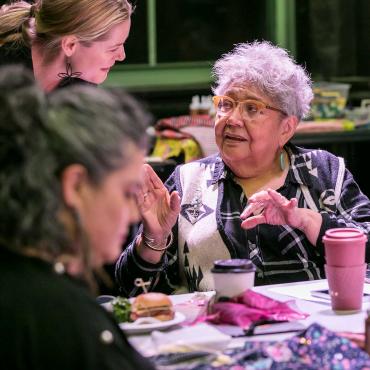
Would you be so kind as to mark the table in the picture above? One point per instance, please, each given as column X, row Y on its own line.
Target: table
column 319, row 311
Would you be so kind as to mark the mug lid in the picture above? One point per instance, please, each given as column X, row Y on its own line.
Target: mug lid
column 233, row 265
column 344, row 233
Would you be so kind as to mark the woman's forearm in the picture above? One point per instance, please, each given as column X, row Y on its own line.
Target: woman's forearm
column 148, row 254
column 311, row 224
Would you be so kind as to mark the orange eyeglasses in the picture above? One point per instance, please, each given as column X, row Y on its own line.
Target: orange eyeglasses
column 225, row 105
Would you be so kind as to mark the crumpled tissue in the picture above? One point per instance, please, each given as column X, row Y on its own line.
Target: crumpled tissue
column 249, row 308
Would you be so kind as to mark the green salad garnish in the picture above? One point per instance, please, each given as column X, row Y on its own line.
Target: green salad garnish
column 121, row 309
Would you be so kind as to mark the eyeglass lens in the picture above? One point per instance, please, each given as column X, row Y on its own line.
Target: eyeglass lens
column 249, row 108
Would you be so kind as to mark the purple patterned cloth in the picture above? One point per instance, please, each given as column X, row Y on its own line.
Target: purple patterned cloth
column 315, row 348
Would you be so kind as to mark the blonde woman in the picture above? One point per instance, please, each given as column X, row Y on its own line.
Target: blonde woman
column 66, row 41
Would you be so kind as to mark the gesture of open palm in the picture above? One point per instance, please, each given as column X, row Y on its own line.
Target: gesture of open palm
column 269, row 207
column 158, row 208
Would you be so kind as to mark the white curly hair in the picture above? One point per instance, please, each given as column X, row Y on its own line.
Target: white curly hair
column 271, row 70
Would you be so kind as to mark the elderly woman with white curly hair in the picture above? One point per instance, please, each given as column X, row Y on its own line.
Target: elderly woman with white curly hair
column 260, row 197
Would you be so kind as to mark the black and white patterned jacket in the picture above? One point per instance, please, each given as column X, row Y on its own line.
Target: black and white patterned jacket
column 208, row 226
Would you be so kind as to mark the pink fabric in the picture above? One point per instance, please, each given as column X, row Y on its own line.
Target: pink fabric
column 251, row 307
column 171, row 127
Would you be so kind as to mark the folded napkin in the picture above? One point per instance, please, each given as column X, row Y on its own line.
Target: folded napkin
column 202, row 337
column 251, row 307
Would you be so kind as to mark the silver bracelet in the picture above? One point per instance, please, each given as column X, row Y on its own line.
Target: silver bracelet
column 150, row 242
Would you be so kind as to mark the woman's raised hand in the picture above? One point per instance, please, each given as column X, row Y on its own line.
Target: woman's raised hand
column 159, row 209
column 269, row 207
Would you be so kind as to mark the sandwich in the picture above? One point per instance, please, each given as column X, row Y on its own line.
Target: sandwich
column 155, row 305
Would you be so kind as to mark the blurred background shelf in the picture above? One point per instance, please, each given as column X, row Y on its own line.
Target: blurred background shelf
column 353, row 146
column 357, row 135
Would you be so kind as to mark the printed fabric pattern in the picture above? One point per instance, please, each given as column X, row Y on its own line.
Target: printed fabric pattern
column 315, row 348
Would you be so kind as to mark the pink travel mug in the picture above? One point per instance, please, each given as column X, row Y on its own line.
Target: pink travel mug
column 344, row 247
column 346, row 286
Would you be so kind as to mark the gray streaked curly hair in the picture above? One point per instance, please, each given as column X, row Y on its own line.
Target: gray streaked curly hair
column 40, row 136
column 271, row 70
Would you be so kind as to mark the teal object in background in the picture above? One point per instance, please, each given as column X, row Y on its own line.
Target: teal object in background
column 160, row 77
column 280, row 20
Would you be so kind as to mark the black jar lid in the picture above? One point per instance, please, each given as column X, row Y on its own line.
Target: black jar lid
column 233, row 265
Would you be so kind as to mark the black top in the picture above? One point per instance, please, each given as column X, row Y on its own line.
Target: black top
column 67, row 81
column 9, row 54
column 51, row 321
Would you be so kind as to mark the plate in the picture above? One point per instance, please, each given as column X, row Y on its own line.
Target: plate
column 134, row 328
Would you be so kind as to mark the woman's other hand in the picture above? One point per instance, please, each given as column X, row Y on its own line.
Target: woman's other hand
column 269, row 207
column 158, row 208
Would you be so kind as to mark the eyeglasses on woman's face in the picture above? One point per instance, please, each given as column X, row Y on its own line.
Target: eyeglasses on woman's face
column 250, row 108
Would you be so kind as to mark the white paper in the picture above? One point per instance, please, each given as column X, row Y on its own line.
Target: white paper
column 303, row 291
column 191, row 338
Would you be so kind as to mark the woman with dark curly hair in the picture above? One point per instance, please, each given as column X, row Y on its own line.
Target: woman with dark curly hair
column 69, row 169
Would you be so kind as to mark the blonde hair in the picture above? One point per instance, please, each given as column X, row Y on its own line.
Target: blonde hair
column 46, row 21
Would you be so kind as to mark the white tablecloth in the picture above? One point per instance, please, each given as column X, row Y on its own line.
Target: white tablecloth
column 319, row 311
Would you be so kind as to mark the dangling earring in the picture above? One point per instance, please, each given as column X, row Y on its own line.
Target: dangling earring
column 68, row 73
column 282, row 160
